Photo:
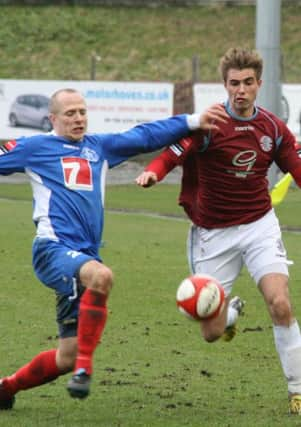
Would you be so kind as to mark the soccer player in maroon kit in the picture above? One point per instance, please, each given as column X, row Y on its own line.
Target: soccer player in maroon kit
column 225, row 194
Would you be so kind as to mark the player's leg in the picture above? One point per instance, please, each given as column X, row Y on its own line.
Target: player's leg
column 213, row 329
column 216, row 252
column 287, row 336
column 40, row 370
column 266, row 260
column 83, row 280
column 97, row 280
column 47, row 365
column 235, row 309
column 225, row 325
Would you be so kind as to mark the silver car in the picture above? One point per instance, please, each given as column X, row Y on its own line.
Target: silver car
column 30, row 110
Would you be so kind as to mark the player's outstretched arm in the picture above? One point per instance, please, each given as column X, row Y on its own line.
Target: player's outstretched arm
column 174, row 155
column 161, row 165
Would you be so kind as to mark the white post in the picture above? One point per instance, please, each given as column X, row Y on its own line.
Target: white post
column 268, row 25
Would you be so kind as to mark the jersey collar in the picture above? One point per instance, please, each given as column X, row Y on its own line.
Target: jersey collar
column 236, row 117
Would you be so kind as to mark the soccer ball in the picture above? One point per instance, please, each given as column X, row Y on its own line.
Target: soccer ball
column 200, row 297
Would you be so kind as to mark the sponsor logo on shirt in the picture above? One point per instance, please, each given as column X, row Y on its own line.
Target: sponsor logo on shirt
column 243, row 162
column 243, row 128
column 71, row 147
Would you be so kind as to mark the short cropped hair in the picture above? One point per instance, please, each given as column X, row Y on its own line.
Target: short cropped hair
column 239, row 59
column 53, row 104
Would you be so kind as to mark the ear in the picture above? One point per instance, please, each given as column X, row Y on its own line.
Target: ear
column 51, row 117
column 259, row 82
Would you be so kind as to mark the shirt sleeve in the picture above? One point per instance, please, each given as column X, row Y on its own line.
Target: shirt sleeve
column 7, row 146
column 145, row 138
column 171, row 157
column 296, row 173
column 13, row 156
column 287, row 157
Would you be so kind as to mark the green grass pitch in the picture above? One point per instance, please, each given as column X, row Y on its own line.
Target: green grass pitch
column 151, row 369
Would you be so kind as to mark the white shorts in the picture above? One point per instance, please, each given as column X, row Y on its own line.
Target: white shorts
column 222, row 252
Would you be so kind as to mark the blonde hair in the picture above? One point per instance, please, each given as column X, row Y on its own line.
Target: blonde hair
column 239, row 59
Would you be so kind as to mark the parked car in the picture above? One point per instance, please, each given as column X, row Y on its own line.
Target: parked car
column 30, row 110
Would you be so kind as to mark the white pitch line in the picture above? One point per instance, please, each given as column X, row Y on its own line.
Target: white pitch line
column 152, row 215
column 147, row 214
column 181, row 219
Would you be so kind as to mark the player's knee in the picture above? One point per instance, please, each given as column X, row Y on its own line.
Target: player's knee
column 97, row 276
column 211, row 338
column 104, row 280
column 212, row 335
column 280, row 308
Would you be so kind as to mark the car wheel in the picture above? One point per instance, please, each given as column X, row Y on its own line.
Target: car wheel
column 46, row 125
column 13, row 121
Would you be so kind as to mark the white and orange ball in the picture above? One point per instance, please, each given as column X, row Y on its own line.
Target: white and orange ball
column 200, row 297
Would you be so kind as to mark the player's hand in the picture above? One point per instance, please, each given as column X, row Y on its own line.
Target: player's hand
column 214, row 114
column 146, row 179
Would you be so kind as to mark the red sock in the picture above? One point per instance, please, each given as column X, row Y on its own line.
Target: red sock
column 91, row 323
column 42, row 369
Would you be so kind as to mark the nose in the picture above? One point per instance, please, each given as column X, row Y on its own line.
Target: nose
column 241, row 87
column 78, row 116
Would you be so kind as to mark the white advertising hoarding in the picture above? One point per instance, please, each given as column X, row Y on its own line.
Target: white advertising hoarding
column 112, row 106
column 211, row 93
column 292, row 93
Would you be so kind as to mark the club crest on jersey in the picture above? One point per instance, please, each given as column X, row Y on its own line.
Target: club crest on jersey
column 266, row 143
column 89, row 154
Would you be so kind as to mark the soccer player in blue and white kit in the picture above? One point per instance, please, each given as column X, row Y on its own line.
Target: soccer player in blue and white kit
column 67, row 172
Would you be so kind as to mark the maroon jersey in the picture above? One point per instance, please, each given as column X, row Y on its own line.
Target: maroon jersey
column 224, row 180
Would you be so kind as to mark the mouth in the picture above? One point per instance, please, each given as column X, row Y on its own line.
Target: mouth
column 78, row 129
column 240, row 100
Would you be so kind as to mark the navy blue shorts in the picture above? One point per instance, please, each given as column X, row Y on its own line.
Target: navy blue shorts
column 57, row 267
